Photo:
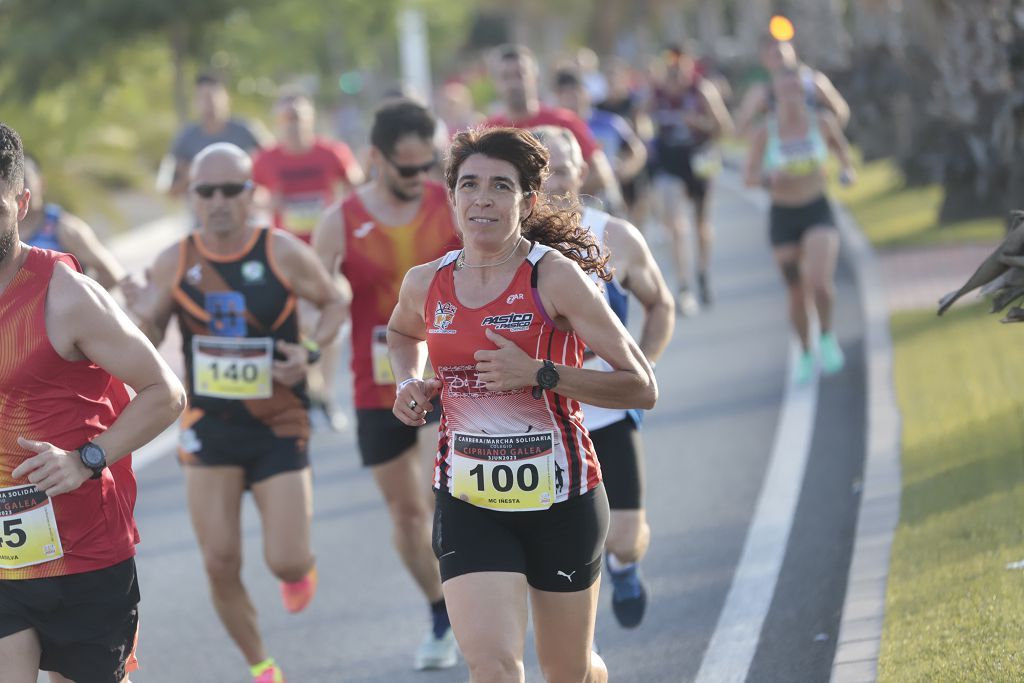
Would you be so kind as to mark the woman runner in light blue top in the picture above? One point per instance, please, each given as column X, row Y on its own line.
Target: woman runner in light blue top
column 788, row 154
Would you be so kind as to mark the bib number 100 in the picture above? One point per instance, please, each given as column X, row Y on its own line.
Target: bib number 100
column 503, row 477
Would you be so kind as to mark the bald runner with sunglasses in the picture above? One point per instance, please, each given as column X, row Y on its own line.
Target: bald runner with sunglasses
column 233, row 287
column 397, row 220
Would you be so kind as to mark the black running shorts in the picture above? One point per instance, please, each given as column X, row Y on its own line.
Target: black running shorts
column 620, row 453
column 86, row 623
column 558, row 549
column 251, row 446
column 787, row 224
column 383, row 437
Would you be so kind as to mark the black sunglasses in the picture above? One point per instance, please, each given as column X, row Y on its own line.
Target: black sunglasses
column 412, row 171
column 227, row 190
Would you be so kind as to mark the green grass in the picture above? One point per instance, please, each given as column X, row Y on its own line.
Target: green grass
column 953, row 610
column 892, row 215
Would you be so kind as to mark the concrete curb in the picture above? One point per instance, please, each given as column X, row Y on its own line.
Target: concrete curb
column 860, row 629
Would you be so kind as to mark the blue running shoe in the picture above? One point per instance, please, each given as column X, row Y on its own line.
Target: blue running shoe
column 629, row 595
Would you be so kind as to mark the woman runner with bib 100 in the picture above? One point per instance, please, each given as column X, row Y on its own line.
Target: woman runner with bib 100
column 521, row 513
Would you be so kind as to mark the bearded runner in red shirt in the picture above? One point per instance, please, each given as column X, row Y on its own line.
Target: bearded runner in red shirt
column 516, row 78
column 521, row 512
column 68, row 588
column 396, row 221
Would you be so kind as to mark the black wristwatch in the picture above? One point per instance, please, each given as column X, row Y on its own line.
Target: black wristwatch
column 547, row 379
column 94, row 458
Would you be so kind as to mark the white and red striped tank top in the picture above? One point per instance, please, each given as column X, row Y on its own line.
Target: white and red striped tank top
column 455, row 332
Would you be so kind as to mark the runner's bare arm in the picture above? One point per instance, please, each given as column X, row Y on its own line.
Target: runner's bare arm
column 639, row 273
column 602, row 180
column 151, row 304
column 329, row 238
column 754, row 103
column 755, row 157
column 310, row 281
column 635, row 158
column 831, row 99
column 719, row 122
column 573, row 301
column 84, row 323
column 407, row 346
column 79, row 239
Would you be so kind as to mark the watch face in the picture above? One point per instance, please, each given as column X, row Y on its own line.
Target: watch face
column 92, row 455
column 547, row 377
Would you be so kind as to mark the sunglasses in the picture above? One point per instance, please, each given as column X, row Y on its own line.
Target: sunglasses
column 412, row 171
column 227, row 190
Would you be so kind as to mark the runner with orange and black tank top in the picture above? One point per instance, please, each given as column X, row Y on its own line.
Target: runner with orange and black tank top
column 521, row 513
column 392, row 223
column 688, row 115
column 68, row 586
column 234, row 288
column 49, row 226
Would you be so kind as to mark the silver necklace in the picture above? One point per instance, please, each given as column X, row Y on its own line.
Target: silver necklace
column 462, row 258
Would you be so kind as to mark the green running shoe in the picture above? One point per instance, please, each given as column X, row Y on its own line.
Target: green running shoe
column 832, row 358
column 803, row 371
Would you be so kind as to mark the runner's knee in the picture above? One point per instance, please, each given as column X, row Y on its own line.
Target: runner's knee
column 567, row 671
column 410, row 516
column 494, row 667
column 222, row 565
column 287, row 566
column 791, row 274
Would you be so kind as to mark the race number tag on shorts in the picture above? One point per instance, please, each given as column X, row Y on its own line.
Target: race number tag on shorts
column 301, row 214
column 28, row 528
column 511, row 472
column 234, row 368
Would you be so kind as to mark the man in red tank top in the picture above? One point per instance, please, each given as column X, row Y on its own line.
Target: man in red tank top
column 68, row 588
column 394, row 222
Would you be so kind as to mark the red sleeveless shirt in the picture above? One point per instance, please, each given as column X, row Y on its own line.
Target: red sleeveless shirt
column 455, row 332
column 377, row 257
column 46, row 398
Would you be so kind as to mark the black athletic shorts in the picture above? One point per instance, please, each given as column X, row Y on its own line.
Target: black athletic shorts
column 620, row 453
column 251, row 446
column 383, row 437
column 677, row 161
column 558, row 549
column 86, row 623
column 787, row 224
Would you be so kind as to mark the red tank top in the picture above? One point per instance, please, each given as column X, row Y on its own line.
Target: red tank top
column 455, row 332
column 377, row 257
column 46, row 398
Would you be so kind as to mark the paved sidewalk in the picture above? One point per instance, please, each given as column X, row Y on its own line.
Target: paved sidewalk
column 916, row 278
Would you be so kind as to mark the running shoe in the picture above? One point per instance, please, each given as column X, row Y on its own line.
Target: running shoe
column 337, row 420
column 267, row 672
column 832, row 358
column 629, row 595
column 298, row 594
column 704, row 289
column 686, row 304
column 437, row 653
column 804, row 370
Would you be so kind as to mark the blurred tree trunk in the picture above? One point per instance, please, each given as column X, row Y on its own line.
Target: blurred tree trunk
column 877, row 83
column 960, row 72
column 179, row 38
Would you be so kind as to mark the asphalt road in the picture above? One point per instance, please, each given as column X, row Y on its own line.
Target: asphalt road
column 708, row 444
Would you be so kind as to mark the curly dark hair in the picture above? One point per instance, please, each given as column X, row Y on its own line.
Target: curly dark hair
column 554, row 225
column 12, row 158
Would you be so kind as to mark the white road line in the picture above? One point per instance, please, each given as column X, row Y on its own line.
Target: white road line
column 734, row 642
